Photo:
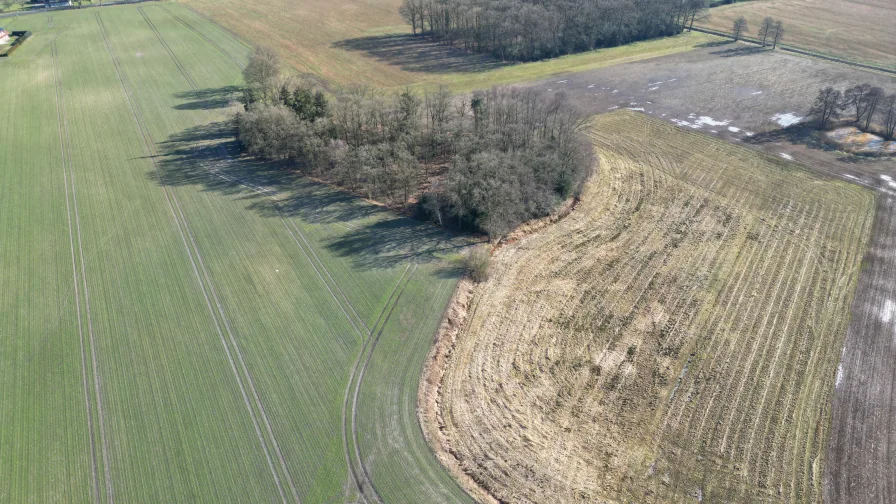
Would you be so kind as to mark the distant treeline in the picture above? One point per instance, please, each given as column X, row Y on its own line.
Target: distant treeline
column 485, row 162
column 527, row 30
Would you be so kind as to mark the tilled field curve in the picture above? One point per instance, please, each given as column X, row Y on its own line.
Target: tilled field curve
column 675, row 338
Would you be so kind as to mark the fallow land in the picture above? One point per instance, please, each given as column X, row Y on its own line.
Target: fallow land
column 180, row 324
column 673, row 339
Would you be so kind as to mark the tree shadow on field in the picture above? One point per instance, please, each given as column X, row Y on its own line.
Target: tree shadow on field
column 807, row 135
column 715, row 43
column 739, row 51
column 369, row 236
column 207, row 99
column 414, row 53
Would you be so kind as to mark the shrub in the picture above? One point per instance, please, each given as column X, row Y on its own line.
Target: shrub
column 478, row 262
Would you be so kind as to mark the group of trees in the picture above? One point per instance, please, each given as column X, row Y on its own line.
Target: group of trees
column 862, row 103
column 527, row 30
column 484, row 162
column 771, row 31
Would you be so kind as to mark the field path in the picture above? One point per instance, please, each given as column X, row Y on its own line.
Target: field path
column 860, row 465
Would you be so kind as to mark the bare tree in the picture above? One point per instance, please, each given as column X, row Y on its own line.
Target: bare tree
column 872, row 99
column 857, row 99
column 7, row 4
column 767, row 28
column 739, row 28
column 827, row 107
column 889, row 110
column 779, row 34
column 412, row 12
column 263, row 72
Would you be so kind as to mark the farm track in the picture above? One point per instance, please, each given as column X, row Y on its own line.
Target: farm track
column 690, row 309
column 184, row 230
column 66, row 164
column 177, row 62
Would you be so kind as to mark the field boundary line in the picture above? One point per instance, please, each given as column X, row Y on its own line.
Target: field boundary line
column 236, row 61
column 169, row 196
column 68, row 212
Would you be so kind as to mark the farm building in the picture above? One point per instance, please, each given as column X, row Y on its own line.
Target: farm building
column 4, row 36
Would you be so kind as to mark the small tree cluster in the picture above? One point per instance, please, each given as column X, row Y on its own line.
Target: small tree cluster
column 771, row 31
column 526, row 30
column 862, row 103
column 484, row 162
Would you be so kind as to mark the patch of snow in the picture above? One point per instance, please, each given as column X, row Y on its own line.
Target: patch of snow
column 851, row 176
column 749, row 133
column 615, row 90
column 682, row 123
column 889, row 180
column 650, row 103
column 756, row 93
column 839, row 375
column 638, row 109
column 785, row 155
column 653, row 88
column 664, row 115
column 613, row 107
column 709, row 121
column 656, row 83
column 591, row 86
column 562, row 82
column 733, row 129
column 888, row 311
column 549, row 90
column 671, row 80
column 788, row 119
column 633, row 103
column 713, row 131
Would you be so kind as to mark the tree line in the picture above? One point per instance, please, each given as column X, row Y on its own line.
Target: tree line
column 485, row 162
column 528, row 30
column 861, row 103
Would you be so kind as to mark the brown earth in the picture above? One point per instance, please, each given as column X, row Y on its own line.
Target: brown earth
column 675, row 338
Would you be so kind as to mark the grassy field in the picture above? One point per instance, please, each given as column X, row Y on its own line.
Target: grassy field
column 676, row 338
column 183, row 325
column 349, row 42
column 860, row 30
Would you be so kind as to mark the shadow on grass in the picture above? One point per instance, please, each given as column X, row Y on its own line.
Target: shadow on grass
column 418, row 54
column 207, row 99
column 369, row 236
column 810, row 137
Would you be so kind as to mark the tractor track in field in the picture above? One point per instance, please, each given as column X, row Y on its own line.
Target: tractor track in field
column 220, row 49
column 63, row 138
column 404, row 281
column 184, row 230
column 180, row 66
column 348, row 388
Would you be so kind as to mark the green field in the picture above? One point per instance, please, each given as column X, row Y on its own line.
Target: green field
column 179, row 324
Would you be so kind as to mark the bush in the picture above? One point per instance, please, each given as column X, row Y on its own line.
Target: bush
column 478, row 262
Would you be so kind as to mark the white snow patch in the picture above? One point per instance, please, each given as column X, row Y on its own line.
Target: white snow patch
column 733, row 129
column 671, row 80
column 851, row 176
column 785, row 155
column 788, row 119
column 638, row 109
column 615, row 90
column 713, row 131
column 682, row 123
column 653, row 88
column 562, row 82
column 709, row 121
column 656, row 83
column 633, row 103
column 756, row 93
column 591, row 86
column 889, row 180
column 749, row 133
column 549, row 90
column 839, row 375
column 614, row 107
column 888, row 311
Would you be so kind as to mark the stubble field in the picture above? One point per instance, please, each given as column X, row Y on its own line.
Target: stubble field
column 178, row 324
column 675, row 338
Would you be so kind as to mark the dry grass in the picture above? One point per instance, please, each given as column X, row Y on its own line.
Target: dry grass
column 676, row 337
column 366, row 42
column 855, row 29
